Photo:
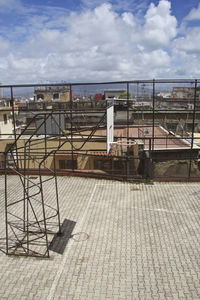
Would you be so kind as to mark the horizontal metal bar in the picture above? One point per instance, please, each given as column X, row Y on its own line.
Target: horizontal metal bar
column 100, row 83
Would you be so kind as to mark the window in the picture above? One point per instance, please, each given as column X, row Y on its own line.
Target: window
column 40, row 97
column 56, row 96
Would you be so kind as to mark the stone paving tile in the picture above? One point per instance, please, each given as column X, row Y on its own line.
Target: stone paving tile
column 130, row 242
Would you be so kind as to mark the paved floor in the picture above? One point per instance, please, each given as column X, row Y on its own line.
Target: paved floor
column 130, row 242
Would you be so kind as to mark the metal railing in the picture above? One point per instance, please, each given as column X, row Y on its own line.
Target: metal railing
column 69, row 138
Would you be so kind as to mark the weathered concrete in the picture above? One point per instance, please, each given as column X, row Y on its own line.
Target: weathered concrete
column 176, row 168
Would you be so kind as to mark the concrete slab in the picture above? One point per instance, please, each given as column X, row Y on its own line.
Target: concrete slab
column 130, row 242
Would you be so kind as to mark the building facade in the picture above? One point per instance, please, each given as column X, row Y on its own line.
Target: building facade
column 52, row 94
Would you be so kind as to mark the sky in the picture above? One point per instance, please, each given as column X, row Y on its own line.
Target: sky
column 95, row 40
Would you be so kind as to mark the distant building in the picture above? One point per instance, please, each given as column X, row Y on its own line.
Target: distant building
column 98, row 97
column 113, row 94
column 180, row 98
column 185, row 92
column 52, row 94
column 164, row 94
column 5, row 102
column 141, row 105
column 6, row 126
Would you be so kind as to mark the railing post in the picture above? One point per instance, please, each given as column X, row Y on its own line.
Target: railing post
column 193, row 129
column 149, row 171
column 6, row 201
column 57, row 200
column 71, row 127
column 127, row 132
column 14, row 126
column 153, row 129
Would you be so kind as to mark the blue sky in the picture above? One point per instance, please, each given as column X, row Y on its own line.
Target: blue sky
column 95, row 40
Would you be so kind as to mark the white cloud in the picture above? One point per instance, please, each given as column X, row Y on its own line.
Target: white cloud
column 97, row 44
column 194, row 14
column 129, row 19
column 160, row 25
column 189, row 43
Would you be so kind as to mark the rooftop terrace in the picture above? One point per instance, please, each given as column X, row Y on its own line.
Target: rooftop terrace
column 162, row 138
column 130, row 241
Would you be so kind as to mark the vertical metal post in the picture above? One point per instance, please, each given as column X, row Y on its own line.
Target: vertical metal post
column 193, row 128
column 45, row 134
column 149, row 172
column 43, row 210
column 127, row 99
column 153, row 129
column 127, row 132
column 14, row 126
column 27, row 201
column 150, row 147
column 25, row 193
column 6, row 202
column 71, row 123
column 57, row 201
column 59, row 116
